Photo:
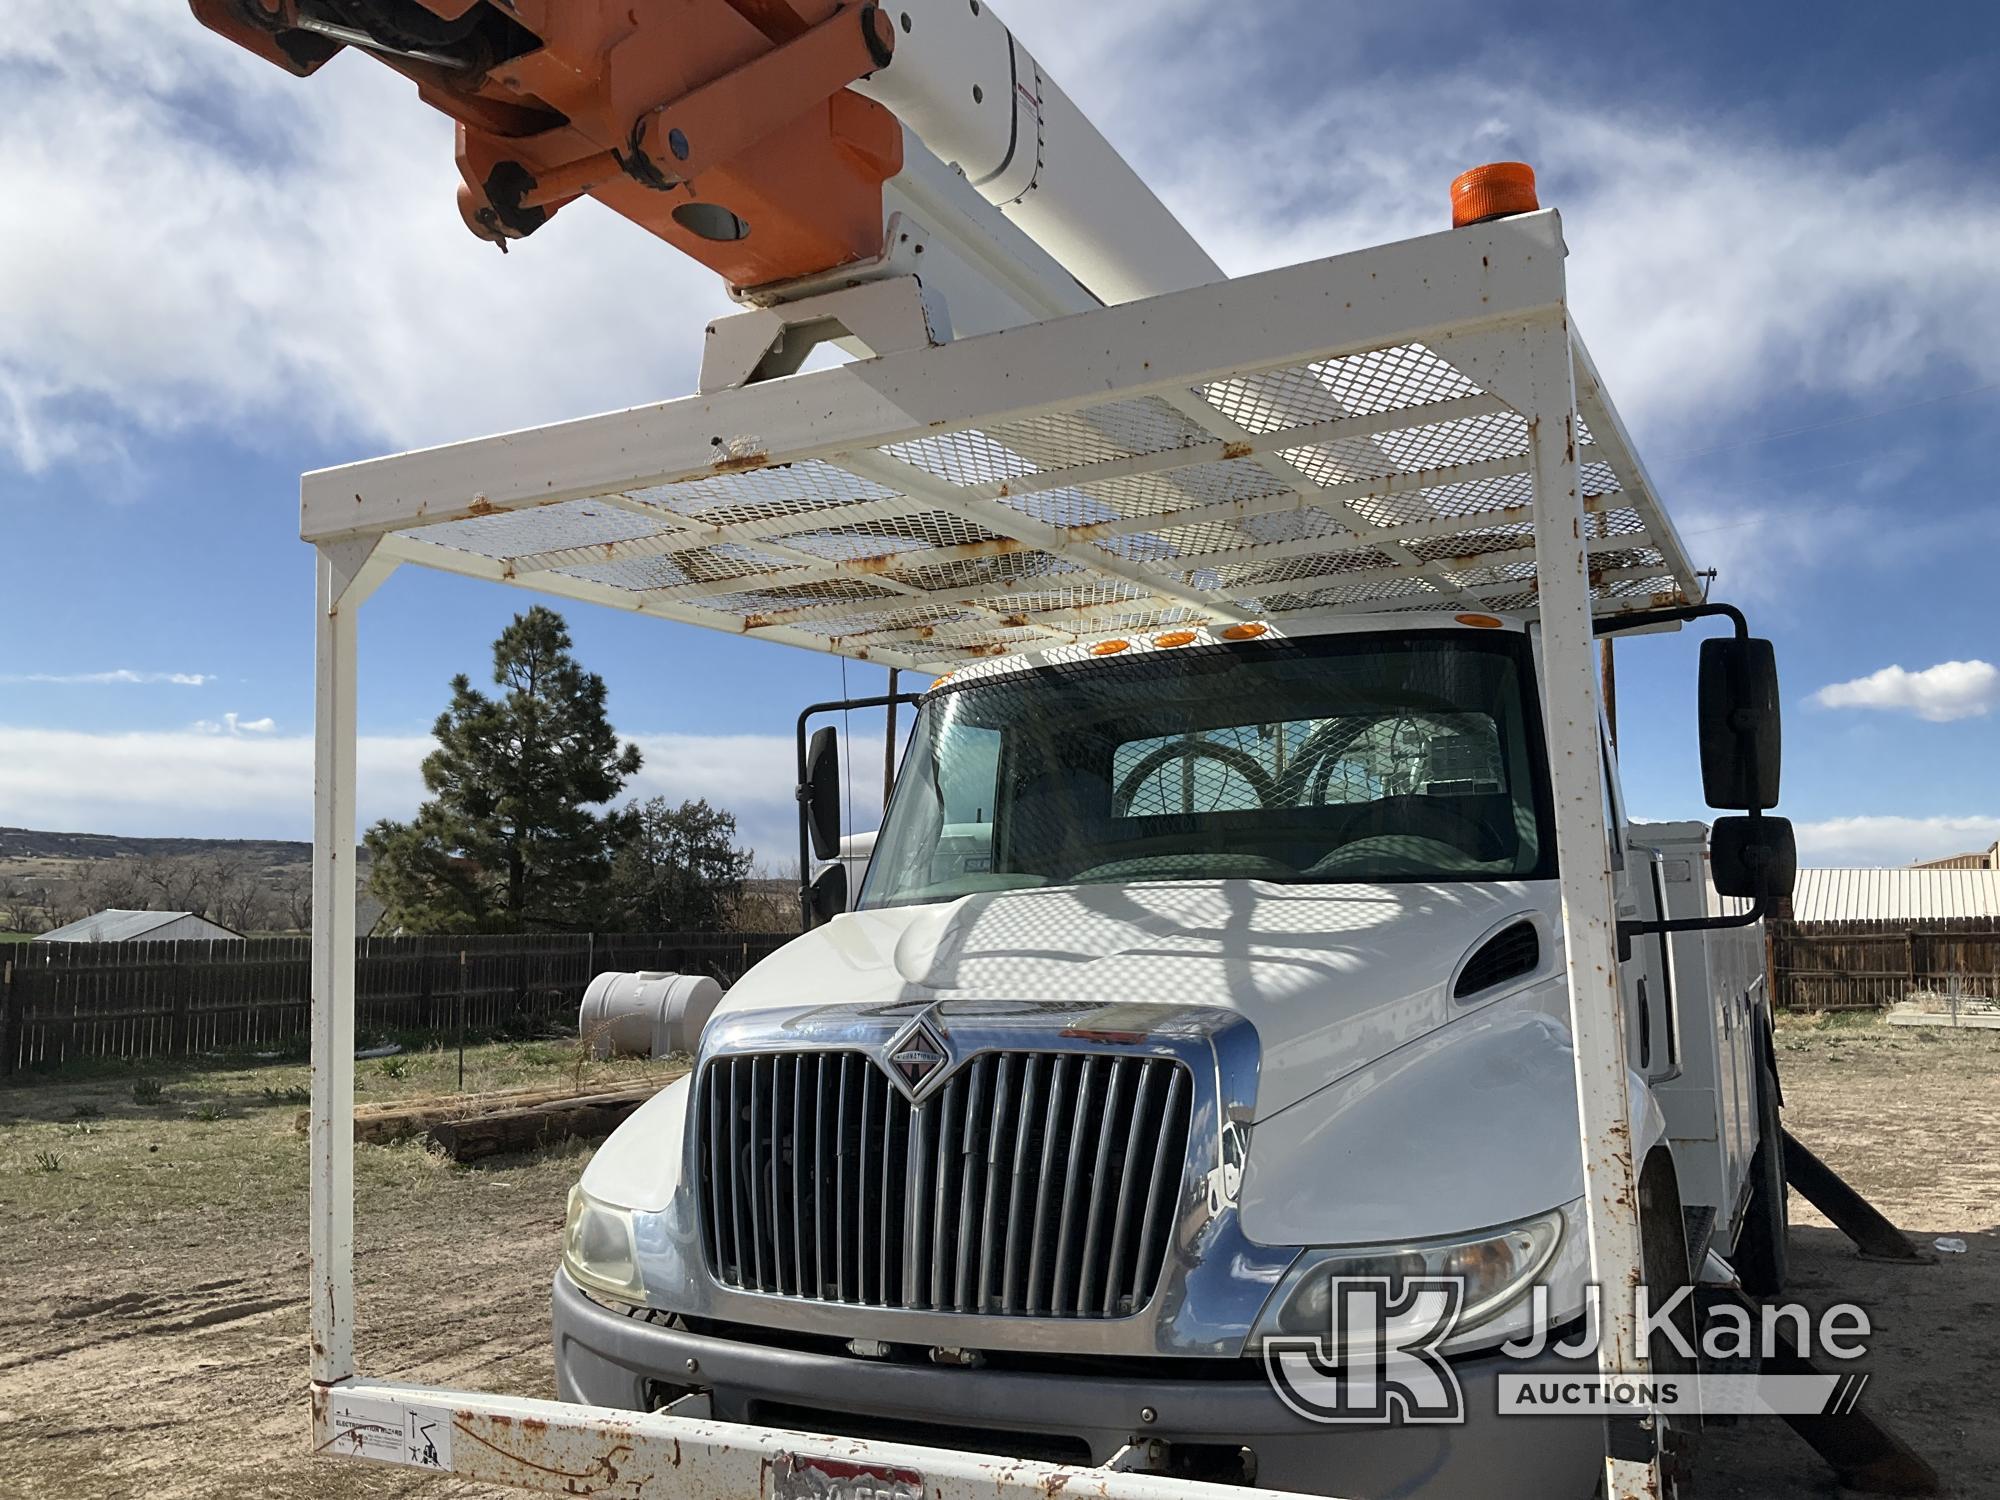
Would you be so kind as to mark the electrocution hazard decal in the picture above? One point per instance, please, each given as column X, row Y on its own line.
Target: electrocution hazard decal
column 392, row 1432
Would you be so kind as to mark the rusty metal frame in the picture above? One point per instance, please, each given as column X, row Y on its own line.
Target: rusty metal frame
column 1489, row 299
column 1443, row 525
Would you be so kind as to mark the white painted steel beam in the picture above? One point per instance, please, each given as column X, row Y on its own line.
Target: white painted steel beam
column 1417, row 290
column 1594, row 402
column 590, row 1450
column 1533, row 369
column 562, row 586
column 347, row 574
column 1057, row 541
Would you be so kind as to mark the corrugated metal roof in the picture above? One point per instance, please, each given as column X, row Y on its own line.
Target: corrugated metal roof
column 114, row 925
column 1902, row 894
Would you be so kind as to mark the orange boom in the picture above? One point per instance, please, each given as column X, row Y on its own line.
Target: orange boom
column 697, row 119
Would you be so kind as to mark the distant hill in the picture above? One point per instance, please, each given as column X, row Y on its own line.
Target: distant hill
column 251, row 885
column 34, row 843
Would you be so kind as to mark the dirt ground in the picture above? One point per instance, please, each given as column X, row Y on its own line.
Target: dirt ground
column 152, row 1322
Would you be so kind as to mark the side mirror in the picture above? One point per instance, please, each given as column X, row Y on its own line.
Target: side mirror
column 826, row 898
column 821, row 793
column 1740, row 737
column 1754, row 857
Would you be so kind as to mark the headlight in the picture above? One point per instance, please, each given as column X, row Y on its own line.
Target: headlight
column 598, row 1251
column 1498, row 1269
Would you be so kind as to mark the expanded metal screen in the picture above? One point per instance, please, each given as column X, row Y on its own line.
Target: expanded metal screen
column 1384, row 480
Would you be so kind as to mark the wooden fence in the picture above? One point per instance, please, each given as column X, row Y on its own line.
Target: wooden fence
column 63, row 1002
column 1873, row 965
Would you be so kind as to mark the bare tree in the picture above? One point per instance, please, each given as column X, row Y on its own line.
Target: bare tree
column 770, row 900
column 292, row 897
column 234, row 892
column 31, row 903
column 173, row 884
column 103, row 884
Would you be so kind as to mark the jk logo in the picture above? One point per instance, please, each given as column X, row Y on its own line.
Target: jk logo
column 1379, row 1360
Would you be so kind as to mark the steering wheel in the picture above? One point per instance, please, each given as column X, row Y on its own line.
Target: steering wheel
column 1424, row 817
column 1239, row 761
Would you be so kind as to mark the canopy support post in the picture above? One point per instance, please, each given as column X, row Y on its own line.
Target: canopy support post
column 348, row 573
column 1597, row 1025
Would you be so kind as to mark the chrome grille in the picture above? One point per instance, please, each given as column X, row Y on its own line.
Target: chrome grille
column 1037, row 1184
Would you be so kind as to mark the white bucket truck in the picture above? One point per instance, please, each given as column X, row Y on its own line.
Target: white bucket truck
column 1190, row 971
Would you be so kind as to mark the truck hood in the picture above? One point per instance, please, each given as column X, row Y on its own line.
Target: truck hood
column 1333, row 977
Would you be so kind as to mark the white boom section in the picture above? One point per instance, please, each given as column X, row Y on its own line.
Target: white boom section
column 1393, row 429
column 976, row 97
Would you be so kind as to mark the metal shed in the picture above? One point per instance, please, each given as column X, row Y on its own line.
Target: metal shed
column 115, row 925
column 1907, row 894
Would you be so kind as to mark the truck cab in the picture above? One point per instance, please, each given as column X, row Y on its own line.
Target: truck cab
column 1188, row 972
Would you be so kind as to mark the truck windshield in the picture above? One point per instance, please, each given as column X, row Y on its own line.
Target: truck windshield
column 1413, row 756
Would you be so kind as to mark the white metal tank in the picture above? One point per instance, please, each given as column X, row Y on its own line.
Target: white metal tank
column 648, row 1014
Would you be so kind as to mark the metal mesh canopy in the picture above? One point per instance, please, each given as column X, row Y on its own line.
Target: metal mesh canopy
column 1379, row 478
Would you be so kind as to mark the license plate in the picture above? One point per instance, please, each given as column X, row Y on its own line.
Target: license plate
column 798, row 1476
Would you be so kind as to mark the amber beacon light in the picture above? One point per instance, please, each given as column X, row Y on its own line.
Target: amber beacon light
column 1493, row 191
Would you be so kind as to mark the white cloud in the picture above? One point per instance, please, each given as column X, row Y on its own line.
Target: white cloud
column 1882, row 840
column 1761, row 268
column 215, row 781
column 303, row 260
column 1715, row 267
column 1950, row 690
column 289, row 253
column 120, row 675
column 232, row 723
column 189, row 782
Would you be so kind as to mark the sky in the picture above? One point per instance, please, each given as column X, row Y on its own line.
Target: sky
column 1783, row 229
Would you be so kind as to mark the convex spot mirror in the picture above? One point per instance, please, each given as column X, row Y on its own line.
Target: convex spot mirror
column 1753, row 857
column 827, row 896
column 1740, row 737
column 821, row 793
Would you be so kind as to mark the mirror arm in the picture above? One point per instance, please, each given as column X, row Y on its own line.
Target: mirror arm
column 803, row 793
column 1642, row 619
column 1609, row 625
column 1629, row 931
column 1759, row 910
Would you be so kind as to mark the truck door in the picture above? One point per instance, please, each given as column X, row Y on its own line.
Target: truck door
column 1635, row 886
column 1656, row 985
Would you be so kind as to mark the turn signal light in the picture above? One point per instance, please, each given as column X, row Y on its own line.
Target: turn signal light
column 1493, row 191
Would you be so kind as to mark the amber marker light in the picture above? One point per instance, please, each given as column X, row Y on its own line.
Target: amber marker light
column 1174, row 638
column 1243, row 632
column 1493, row 191
column 1481, row 622
column 1109, row 648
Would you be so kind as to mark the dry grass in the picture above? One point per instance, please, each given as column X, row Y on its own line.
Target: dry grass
column 152, row 1317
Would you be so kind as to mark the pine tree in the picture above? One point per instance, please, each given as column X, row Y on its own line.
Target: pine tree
column 679, row 870
column 507, row 840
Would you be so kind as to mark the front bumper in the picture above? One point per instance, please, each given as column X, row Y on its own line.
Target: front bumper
column 605, row 1358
